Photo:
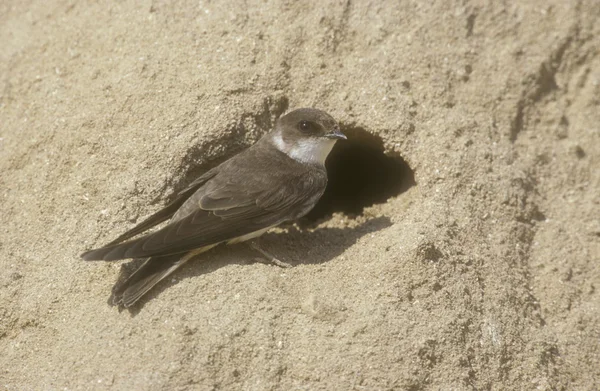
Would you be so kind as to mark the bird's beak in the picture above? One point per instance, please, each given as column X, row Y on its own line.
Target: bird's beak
column 335, row 134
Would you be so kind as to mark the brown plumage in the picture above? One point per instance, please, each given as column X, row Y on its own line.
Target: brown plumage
column 280, row 178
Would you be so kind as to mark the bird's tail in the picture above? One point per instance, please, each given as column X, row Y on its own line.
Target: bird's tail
column 152, row 271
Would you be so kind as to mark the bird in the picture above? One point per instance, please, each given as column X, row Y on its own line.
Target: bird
column 280, row 178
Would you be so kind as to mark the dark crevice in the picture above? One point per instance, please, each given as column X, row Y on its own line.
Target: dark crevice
column 361, row 174
column 471, row 24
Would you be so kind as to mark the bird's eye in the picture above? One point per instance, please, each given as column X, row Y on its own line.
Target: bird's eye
column 308, row 127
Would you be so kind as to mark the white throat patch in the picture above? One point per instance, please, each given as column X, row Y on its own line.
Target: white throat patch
column 310, row 150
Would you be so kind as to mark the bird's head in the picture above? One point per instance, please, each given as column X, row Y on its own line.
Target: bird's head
column 306, row 135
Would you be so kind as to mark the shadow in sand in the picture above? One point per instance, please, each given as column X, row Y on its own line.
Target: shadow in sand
column 295, row 246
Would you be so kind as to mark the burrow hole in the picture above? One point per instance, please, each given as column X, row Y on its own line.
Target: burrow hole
column 361, row 174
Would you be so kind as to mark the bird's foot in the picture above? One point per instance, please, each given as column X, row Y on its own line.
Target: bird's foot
column 268, row 257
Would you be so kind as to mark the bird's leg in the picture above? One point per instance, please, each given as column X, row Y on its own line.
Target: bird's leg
column 267, row 255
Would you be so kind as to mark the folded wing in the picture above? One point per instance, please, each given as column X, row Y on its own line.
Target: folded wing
column 224, row 211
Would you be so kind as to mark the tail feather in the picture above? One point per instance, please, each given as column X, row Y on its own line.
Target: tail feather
column 154, row 270
column 140, row 283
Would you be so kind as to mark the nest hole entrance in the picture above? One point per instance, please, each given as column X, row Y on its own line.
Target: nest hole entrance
column 361, row 174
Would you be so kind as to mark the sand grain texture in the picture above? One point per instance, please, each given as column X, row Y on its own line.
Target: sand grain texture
column 483, row 276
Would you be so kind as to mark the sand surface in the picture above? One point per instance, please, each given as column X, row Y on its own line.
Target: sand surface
column 485, row 275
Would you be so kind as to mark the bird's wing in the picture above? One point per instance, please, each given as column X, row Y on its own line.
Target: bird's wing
column 167, row 212
column 225, row 211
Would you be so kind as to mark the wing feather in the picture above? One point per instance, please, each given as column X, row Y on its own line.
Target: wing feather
column 224, row 211
column 167, row 212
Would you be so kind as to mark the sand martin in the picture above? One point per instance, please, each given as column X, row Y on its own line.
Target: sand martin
column 280, row 178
